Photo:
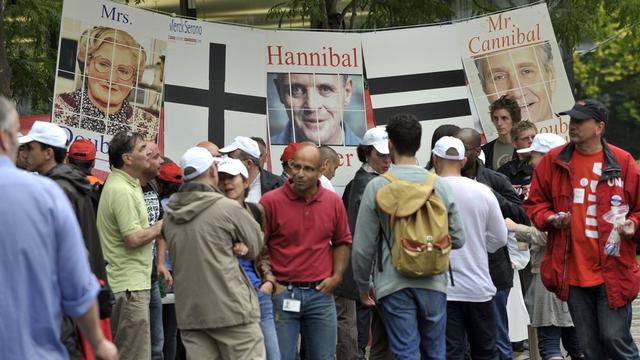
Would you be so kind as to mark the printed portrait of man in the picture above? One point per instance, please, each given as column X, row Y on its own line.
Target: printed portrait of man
column 524, row 74
column 315, row 106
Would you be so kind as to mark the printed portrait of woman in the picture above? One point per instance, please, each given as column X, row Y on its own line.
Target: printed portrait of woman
column 111, row 63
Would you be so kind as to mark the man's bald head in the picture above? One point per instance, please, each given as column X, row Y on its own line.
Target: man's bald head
column 469, row 137
column 309, row 153
column 213, row 148
column 472, row 142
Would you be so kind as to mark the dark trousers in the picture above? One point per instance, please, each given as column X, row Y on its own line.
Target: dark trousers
column 474, row 323
column 603, row 332
column 549, row 341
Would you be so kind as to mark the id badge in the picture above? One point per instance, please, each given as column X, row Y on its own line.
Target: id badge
column 291, row 305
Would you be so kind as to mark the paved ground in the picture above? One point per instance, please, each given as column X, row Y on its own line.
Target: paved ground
column 635, row 329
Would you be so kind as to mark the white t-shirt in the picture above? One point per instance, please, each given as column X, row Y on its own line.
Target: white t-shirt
column 255, row 191
column 326, row 183
column 485, row 232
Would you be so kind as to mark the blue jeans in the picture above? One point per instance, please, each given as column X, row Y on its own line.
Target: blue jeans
column 268, row 326
column 317, row 320
column 503, row 343
column 549, row 342
column 155, row 320
column 602, row 332
column 416, row 321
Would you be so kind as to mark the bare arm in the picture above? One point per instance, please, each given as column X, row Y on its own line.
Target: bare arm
column 89, row 324
column 144, row 236
column 161, row 248
column 340, row 261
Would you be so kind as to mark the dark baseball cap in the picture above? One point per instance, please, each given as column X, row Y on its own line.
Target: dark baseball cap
column 588, row 109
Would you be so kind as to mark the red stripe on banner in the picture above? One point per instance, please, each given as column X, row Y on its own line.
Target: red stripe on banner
column 368, row 109
column 27, row 121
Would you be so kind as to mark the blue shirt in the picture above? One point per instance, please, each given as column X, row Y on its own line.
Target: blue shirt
column 247, row 265
column 44, row 270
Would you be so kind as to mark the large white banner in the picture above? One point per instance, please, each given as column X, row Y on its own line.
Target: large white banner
column 109, row 75
column 214, row 84
column 515, row 53
column 117, row 63
column 315, row 93
column 418, row 71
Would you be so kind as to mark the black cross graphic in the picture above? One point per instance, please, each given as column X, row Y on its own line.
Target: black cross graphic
column 215, row 98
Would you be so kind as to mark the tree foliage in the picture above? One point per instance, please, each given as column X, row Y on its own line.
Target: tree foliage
column 31, row 31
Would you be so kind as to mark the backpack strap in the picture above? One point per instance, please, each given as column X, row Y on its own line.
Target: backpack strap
column 386, row 240
column 389, row 176
column 430, row 180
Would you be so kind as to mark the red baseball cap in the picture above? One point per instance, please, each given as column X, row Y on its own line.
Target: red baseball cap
column 290, row 151
column 82, row 149
column 171, row 172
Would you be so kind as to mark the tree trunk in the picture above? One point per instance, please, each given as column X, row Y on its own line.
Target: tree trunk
column 5, row 70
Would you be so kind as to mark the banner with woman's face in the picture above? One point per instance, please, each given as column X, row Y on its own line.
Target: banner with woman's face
column 110, row 72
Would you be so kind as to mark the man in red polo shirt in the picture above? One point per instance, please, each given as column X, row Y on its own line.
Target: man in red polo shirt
column 308, row 238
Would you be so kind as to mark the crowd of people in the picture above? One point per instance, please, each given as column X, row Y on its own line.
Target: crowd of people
column 214, row 257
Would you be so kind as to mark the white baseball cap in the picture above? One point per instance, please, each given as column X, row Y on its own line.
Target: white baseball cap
column 47, row 133
column 195, row 161
column 377, row 137
column 232, row 167
column 245, row 144
column 449, row 142
column 544, row 142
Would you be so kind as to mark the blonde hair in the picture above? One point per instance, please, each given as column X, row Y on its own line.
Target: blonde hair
column 93, row 38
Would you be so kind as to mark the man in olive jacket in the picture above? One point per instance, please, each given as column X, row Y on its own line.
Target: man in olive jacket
column 216, row 306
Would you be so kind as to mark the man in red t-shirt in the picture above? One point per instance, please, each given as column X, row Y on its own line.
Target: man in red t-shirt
column 308, row 238
column 573, row 187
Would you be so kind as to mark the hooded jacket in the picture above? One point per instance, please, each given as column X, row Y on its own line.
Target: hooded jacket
column 81, row 194
column 551, row 192
column 200, row 227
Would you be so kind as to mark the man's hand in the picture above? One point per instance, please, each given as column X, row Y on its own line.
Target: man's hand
column 627, row 229
column 266, row 287
column 367, row 298
column 106, row 350
column 240, row 249
column 329, row 284
column 163, row 271
column 560, row 220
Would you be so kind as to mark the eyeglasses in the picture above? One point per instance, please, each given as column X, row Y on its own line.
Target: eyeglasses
column 298, row 167
column 103, row 65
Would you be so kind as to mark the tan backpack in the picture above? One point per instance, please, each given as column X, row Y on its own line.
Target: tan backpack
column 419, row 220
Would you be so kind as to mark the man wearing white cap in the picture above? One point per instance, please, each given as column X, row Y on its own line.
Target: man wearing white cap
column 471, row 291
column 260, row 181
column 216, row 307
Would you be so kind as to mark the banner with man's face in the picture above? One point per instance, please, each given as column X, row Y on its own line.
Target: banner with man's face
column 315, row 94
column 109, row 74
column 515, row 54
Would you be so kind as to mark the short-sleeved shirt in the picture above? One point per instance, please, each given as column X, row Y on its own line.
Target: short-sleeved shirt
column 300, row 234
column 585, row 269
column 121, row 212
column 44, row 270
